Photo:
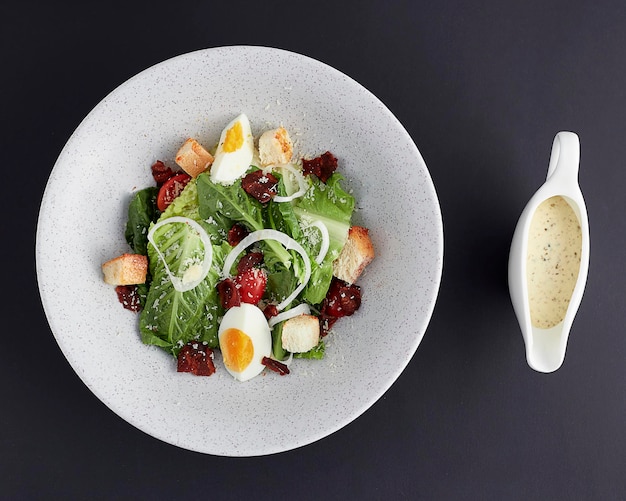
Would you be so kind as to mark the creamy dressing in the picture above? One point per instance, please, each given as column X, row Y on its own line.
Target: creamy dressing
column 553, row 261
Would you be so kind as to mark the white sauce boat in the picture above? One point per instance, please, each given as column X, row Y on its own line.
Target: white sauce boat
column 545, row 347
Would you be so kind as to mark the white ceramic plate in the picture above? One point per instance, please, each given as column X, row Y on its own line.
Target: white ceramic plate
column 83, row 214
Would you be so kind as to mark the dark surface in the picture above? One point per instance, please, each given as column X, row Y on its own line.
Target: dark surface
column 482, row 87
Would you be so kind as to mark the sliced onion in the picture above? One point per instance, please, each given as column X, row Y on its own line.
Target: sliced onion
column 301, row 309
column 325, row 240
column 279, row 236
column 302, row 184
column 179, row 284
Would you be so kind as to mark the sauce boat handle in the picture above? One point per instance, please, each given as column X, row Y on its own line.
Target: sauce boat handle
column 565, row 157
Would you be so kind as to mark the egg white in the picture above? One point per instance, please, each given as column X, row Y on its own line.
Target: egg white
column 249, row 319
column 227, row 166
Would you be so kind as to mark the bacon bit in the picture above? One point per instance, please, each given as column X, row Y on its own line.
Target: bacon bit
column 250, row 260
column 260, row 185
column 326, row 323
column 342, row 299
column 128, row 295
column 236, row 234
column 161, row 173
column 275, row 365
column 196, row 357
column 229, row 293
column 322, row 166
column 270, row 311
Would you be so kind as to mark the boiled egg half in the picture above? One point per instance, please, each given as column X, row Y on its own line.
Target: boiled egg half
column 244, row 338
column 234, row 152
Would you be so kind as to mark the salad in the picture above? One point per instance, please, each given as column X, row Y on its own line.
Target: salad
column 243, row 249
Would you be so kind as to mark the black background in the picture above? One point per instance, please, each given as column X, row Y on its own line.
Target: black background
column 482, row 87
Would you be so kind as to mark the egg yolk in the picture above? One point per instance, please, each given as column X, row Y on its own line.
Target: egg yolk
column 234, row 138
column 237, row 349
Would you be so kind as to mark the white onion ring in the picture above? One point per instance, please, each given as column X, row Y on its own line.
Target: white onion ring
column 279, row 236
column 178, row 283
column 301, row 309
column 302, row 185
column 325, row 240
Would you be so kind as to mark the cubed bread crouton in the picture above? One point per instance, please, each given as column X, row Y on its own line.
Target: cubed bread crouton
column 356, row 254
column 127, row 269
column 275, row 147
column 301, row 334
column 193, row 158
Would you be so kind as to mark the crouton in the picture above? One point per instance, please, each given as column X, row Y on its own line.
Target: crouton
column 193, row 158
column 301, row 334
column 127, row 269
column 356, row 254
column 275, row 147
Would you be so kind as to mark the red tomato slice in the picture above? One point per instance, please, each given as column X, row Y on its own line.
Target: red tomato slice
column 171, row 189
column 251, row 284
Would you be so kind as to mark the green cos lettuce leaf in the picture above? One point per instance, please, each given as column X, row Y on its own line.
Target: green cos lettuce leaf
column 142, row 211
column 316, row 353
column 332, row 205
column 233, row 203
column 328, row 203
column 171, row 318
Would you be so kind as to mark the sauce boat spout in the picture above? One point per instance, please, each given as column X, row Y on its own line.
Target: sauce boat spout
column 549, row 258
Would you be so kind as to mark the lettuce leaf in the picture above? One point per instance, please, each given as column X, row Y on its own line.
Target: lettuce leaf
column 187, row 205
column 277, row 344
column 232, row 203
column 280, row 216
column 316, row 353
column 332, row 205
column 171, row 318
column 142, row 211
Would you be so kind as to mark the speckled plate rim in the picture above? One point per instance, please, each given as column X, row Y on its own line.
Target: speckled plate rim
column 327, row 110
